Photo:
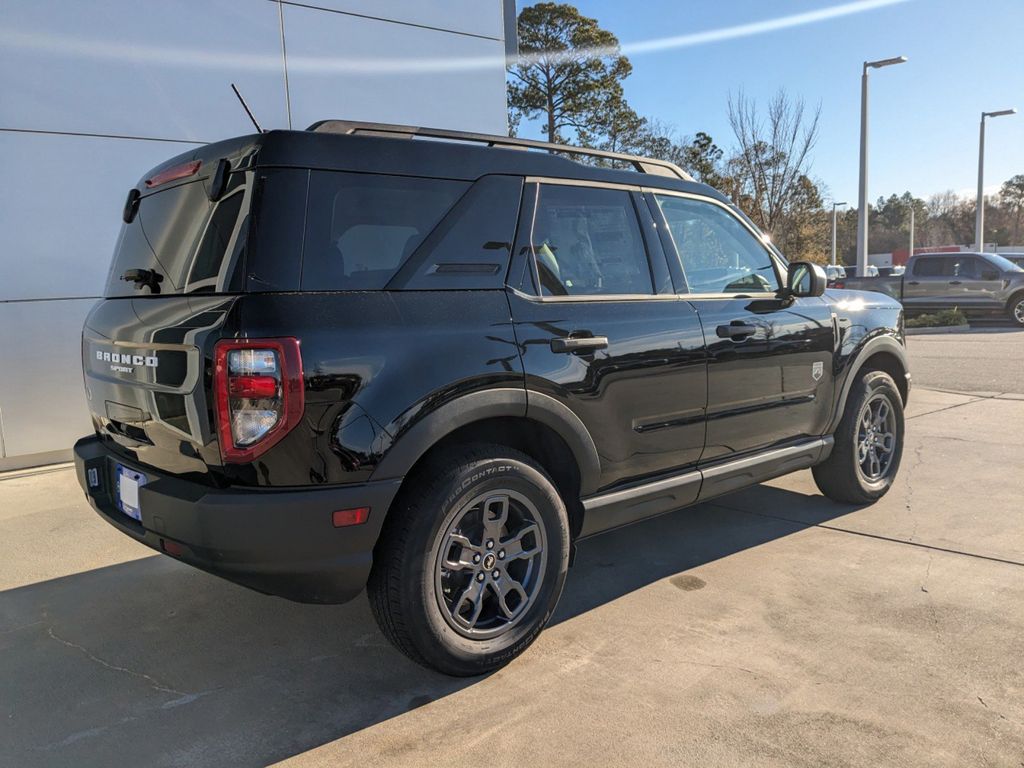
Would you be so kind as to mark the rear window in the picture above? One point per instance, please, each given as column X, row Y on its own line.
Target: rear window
column 193, row 244
column 361, row 228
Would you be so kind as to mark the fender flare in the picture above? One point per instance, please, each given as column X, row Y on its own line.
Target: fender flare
column 889, row 345
column 413, row 442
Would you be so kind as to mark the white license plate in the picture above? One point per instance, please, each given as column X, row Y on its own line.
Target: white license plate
column 128, row 484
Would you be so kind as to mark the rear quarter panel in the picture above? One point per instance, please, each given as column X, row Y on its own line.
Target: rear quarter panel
column 374, row 364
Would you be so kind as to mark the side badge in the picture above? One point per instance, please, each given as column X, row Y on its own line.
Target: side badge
column 817, row 370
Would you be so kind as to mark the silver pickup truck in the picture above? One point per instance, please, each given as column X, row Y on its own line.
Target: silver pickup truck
column 976, row 283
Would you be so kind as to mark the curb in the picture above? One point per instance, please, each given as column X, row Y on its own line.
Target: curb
column 942, row 329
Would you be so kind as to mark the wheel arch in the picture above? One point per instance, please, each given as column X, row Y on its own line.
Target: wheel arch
column 882, row 353
column 530, row 422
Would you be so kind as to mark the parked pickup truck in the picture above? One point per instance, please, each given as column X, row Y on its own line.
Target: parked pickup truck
column 977, row 283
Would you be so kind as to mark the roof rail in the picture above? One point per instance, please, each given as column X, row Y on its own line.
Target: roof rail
column 640, row 164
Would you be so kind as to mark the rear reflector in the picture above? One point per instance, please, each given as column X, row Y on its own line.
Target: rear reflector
column 173, row 174
column 172, row 547
column 344, row 517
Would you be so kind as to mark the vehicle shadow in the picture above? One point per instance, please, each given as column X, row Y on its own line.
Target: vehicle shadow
column 150, row 662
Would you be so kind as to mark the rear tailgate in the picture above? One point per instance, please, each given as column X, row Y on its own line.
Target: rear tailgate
column 145, row 375
column 146, row 346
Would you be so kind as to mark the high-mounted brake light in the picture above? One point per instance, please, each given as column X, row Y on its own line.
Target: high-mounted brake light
column 259, row 391
column 174, row 173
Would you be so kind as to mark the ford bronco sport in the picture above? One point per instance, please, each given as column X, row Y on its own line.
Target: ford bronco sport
column 428, row 363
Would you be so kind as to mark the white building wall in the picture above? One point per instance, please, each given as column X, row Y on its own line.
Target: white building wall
column 96, row 93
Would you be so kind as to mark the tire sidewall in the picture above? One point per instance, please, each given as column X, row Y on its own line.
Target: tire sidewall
column 1016, row 301
column 442, row 645
column 874, row 383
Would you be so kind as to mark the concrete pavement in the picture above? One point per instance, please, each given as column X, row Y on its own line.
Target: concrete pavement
column 987, row 360
column 769, row 628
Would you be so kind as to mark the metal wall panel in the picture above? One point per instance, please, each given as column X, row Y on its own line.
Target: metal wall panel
column 468, row 99
column 474, row 17
column 60, row 211
column 140, row 67
column 42, row 397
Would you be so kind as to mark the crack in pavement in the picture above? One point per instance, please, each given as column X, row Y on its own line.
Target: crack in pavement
column 878, row 536
column 155, row 684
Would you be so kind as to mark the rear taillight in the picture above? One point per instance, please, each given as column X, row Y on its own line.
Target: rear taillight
column 838, row 284
column 258, row 387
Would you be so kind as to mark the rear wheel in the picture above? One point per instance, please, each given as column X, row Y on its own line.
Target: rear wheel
column 868, row 443
column 472, row 561
column 1015, row 309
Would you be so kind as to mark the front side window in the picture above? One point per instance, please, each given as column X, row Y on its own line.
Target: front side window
column 718, row 253
column 586, row 242
column 936, row 266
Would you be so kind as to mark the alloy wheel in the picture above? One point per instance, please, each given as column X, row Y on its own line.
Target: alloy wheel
column 876, row 438
column 489, row 564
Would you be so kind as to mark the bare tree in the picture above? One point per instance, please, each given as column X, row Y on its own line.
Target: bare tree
column 773, row 154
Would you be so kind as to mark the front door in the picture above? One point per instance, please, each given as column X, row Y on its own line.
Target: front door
column 977, row 283
column 770, row 377
column 602, row 330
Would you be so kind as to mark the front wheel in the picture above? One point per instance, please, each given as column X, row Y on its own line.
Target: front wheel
column 472, row 561
column 1015, row 309
column 868, row 443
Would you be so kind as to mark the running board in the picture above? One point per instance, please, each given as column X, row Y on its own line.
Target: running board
column 630, row 505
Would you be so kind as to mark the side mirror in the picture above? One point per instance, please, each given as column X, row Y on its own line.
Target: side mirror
column 805, row 279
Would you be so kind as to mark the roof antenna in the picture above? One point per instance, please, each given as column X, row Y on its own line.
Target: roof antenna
column 246, row 108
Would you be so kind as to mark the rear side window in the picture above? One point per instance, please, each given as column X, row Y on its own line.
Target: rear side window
column 586, row 242
column 361, row 228
column 193, row 244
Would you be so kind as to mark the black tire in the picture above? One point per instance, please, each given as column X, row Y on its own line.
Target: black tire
column 1015, row 309
column 842, row 477
column 412, row 594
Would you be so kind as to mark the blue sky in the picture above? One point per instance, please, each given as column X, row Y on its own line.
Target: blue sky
column 965, row 56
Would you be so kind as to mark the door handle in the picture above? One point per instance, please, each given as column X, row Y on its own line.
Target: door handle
column 572, row 344
column 954, row 282
column 736, row 330
column 913, row 282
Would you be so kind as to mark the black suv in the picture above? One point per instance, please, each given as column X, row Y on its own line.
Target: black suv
column 429, row 363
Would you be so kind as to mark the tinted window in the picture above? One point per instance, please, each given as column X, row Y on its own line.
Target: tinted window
column 219, row 235
column 586, row 242
column 718, row 253
column 360, row 228
column 185, row 238
column 934, row 266
column 470, row 248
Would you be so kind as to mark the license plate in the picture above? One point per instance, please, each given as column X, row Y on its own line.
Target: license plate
column 128, row 484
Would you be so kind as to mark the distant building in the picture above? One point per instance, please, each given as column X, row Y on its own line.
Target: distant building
column 95, row 94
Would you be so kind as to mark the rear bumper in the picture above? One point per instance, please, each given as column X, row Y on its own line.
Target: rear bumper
column 280, row 542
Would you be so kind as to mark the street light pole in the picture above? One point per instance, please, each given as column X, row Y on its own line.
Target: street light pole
column 862, row 198
column 834, row 206
column 979, row 214
column 910, row 253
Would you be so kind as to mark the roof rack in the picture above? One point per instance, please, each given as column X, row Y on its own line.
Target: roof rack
column 640, row 164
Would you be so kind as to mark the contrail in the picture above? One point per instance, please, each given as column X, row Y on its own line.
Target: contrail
column 193, row 58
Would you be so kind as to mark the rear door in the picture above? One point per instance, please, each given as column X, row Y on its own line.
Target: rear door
column 602, row 331
column 770, row 375
column 929, row 283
